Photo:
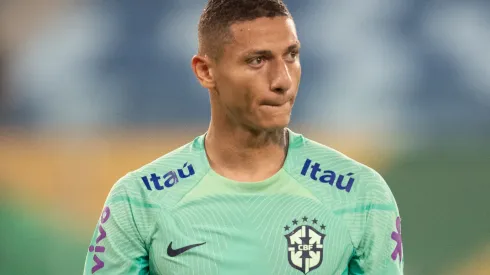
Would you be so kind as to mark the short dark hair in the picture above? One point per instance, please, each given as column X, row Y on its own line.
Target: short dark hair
column 219, row 15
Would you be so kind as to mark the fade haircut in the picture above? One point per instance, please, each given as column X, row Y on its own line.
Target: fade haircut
column 218, row 15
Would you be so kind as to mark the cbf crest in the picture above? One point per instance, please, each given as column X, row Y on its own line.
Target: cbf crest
column 305, row 245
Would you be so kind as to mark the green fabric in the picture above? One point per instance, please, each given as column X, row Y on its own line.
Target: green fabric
column 308, row 218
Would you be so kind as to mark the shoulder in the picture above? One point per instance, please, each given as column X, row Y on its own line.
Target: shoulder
column 173, row 172
column 328, row 166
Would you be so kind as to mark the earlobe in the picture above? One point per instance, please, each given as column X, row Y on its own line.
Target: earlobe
column 203, row 72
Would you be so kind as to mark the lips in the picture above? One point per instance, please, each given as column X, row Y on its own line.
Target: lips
column 274, row 103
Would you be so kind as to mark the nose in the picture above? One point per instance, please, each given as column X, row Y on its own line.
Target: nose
column 280, row 78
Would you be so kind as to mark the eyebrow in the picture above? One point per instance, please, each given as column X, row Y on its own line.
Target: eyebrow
column 295, row 46
column 268, row 53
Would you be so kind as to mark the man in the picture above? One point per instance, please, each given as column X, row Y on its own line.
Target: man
column 249, row 196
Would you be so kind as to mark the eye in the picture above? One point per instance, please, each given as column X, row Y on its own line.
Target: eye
column 292, row 56
column 256, row 61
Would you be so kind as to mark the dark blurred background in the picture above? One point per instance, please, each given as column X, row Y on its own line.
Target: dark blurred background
column 92, row 89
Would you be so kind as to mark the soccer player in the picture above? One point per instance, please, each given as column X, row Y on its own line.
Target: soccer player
column 249, row 196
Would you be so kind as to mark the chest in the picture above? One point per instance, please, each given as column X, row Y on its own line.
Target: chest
column 251, row 235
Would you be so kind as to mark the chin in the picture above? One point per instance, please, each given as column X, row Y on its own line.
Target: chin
column 276, row 123
column 271, row 118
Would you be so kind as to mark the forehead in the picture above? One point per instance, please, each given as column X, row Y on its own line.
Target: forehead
column 264, row 33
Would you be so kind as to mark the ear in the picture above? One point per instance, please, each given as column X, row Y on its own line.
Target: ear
column 202, row 67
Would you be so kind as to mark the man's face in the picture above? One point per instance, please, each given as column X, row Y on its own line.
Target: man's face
column 258, row 74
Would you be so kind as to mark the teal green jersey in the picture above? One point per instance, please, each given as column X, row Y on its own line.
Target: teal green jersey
column 322, row 213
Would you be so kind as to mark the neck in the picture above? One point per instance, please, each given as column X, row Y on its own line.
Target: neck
column 242, row 154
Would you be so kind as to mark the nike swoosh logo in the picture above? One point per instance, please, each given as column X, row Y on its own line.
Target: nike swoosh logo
column 175, row 252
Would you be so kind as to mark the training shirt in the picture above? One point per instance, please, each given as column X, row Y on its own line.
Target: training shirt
column 322, row 213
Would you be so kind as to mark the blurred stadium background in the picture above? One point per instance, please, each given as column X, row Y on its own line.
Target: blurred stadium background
column 92, row 89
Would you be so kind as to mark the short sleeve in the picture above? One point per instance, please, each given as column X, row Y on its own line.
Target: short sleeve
column 119, row 241
column 380, row 250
